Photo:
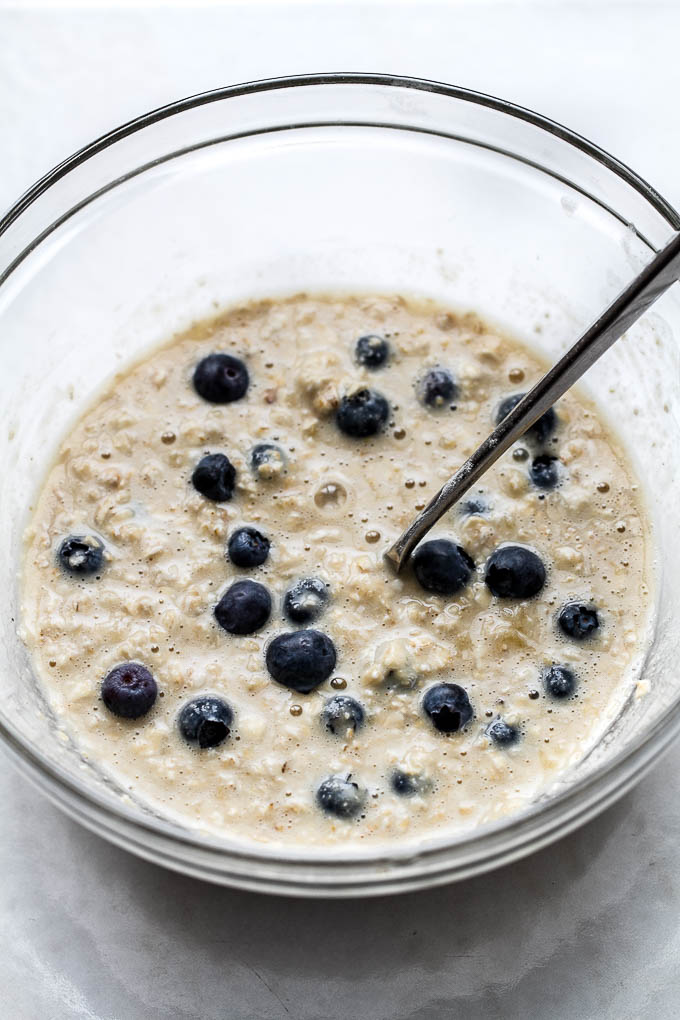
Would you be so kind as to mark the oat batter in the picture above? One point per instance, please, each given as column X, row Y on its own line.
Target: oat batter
column 205, row 599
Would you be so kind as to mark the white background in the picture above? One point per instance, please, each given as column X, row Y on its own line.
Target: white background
column 589, row 928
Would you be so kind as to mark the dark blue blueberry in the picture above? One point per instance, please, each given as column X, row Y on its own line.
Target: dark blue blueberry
column 81, row 555
column 301, row 660
column 129, row 690
column 248, row 547
column 448, row 707
column 342, row 714
column 541, row 430
column 221, row 378
column 205, row 721
column 543, row 471
column 407, row 784
column 437, row 388
column 372, row 351
column 514, row 572
column 214, row 477
column 578, row 620
column 560, row 682
column 362, row 413
column 474, row 507
column 306, row 600
column 244, row 608
column 442, row 566
column 340, row 797
column 502, row 733
column 267, row 460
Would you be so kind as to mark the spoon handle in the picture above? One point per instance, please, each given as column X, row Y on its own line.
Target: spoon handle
column 632, row 302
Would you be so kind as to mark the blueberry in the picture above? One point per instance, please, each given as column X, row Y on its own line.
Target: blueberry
column 474, row 507
column 541, row 430
column 437, row 388
column 560, row 682
column 340, row 797
column 502, row 733
column 129, row 690
column 221, row 378
column 448, row 707
column 406, row 784
column 205, row 721
column 342, row 714
column 543, row 471
column 301, row 660
column 514, row 572
column 362, row 413
column 372, row 351
column 81, row 555
column 578, row 621
column 267, row 460
column 248, row 547
column 244, row 608
column 306, row 600
column 214, row 477
column 442, row 566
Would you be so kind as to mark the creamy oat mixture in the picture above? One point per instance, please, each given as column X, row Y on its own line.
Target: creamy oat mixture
column 330, row 504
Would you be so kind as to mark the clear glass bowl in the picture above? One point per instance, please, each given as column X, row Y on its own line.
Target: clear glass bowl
column 330, row 182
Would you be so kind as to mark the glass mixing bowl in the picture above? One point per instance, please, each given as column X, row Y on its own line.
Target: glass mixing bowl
column 330, row 182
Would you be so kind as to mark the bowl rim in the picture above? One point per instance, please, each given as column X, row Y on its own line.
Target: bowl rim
column 521, row 832
column 483, row 99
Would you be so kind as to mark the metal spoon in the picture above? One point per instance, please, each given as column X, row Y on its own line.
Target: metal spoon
column 632, row 302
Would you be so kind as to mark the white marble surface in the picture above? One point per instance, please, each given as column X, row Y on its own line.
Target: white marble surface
column 586, row 929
